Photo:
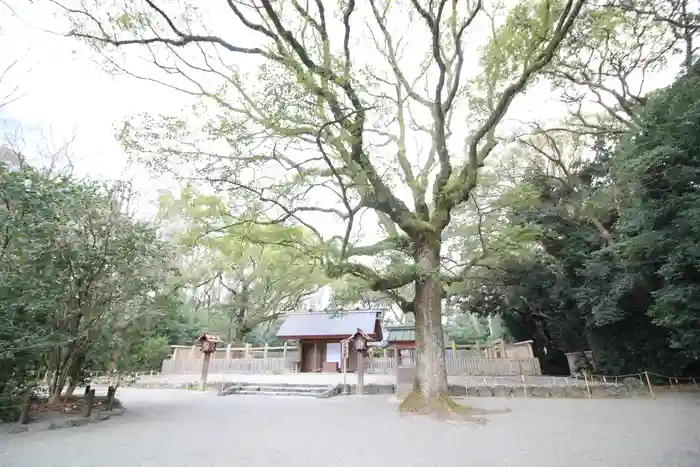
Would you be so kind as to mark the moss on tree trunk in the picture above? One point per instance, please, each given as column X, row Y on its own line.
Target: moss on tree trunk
column 430, row 394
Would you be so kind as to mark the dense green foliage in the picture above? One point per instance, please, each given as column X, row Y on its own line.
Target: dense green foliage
column 242, row 277
column 81, row 284
column 615, row 266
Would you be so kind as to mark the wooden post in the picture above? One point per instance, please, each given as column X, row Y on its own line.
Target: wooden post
column 454, row 349
column 478, row 348
column 26, row 407
column 89, row 402
column 316, row 358
column 284, row 356
column 110, row 396
column 503, row 349
column 588, row 388
column 228, row 352
column 265, row 350
column 522, row 378
column 360, row 387
column 205, row 370
column 247, row 351
column 651, row 391
column 192, row 354
column 344, row 348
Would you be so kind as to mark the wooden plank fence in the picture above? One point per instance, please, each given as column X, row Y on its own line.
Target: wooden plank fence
column 271, row 365
column 464, row 366
column 459, row 363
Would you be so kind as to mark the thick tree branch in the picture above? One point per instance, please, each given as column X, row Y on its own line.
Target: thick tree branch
column 398, row 243
column 376, row 282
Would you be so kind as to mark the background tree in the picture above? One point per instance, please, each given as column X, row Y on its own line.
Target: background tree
column 111, row 265
column 77, row 272
column 610, row 263
column 30, row 291
column 241, row 275
column 651, row 268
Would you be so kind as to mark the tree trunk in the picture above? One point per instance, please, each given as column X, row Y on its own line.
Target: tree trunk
column 54, row 388
column 73, row 373
column 70, row 389
column 431, row 374
column 229, row 332
column 430, row 388
column 63, row 369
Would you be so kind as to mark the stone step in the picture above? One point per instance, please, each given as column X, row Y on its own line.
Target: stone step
column 281, row 388
column 308, row 390
column 276, row 393
column 280, row 385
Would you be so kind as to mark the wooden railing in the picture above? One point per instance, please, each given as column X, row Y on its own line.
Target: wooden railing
column 270, row 365
column 464, row 365
column 459, row 363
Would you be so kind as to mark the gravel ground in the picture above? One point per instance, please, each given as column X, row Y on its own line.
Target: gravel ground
column 174, row 428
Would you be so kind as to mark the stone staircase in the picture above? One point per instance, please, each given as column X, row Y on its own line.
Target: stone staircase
column 281, row 389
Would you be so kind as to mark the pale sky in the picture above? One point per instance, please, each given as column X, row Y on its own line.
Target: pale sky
column 66, row 95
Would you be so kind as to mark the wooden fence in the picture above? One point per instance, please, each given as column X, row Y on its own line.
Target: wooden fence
column 270, row 365
column 464, row 365
column 459, row 363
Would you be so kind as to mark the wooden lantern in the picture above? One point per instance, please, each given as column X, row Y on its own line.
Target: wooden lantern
column 208, row 341
column 359, row 341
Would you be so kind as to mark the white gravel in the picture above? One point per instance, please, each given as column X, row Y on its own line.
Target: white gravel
column 175, row 428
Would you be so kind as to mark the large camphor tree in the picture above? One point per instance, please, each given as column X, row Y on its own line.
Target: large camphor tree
column 336, row 116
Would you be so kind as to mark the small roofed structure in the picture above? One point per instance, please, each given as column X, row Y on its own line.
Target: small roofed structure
column 320, row 336
column 401, row 337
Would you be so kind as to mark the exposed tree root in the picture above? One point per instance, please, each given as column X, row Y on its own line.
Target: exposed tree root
column 442, row 407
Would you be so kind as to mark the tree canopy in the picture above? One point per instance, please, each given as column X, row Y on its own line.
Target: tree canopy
column 78, row 272
column 613, row 267
column 241, row 275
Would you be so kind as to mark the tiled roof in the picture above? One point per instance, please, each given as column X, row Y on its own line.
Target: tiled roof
column 401, row 333
column 331, row 323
